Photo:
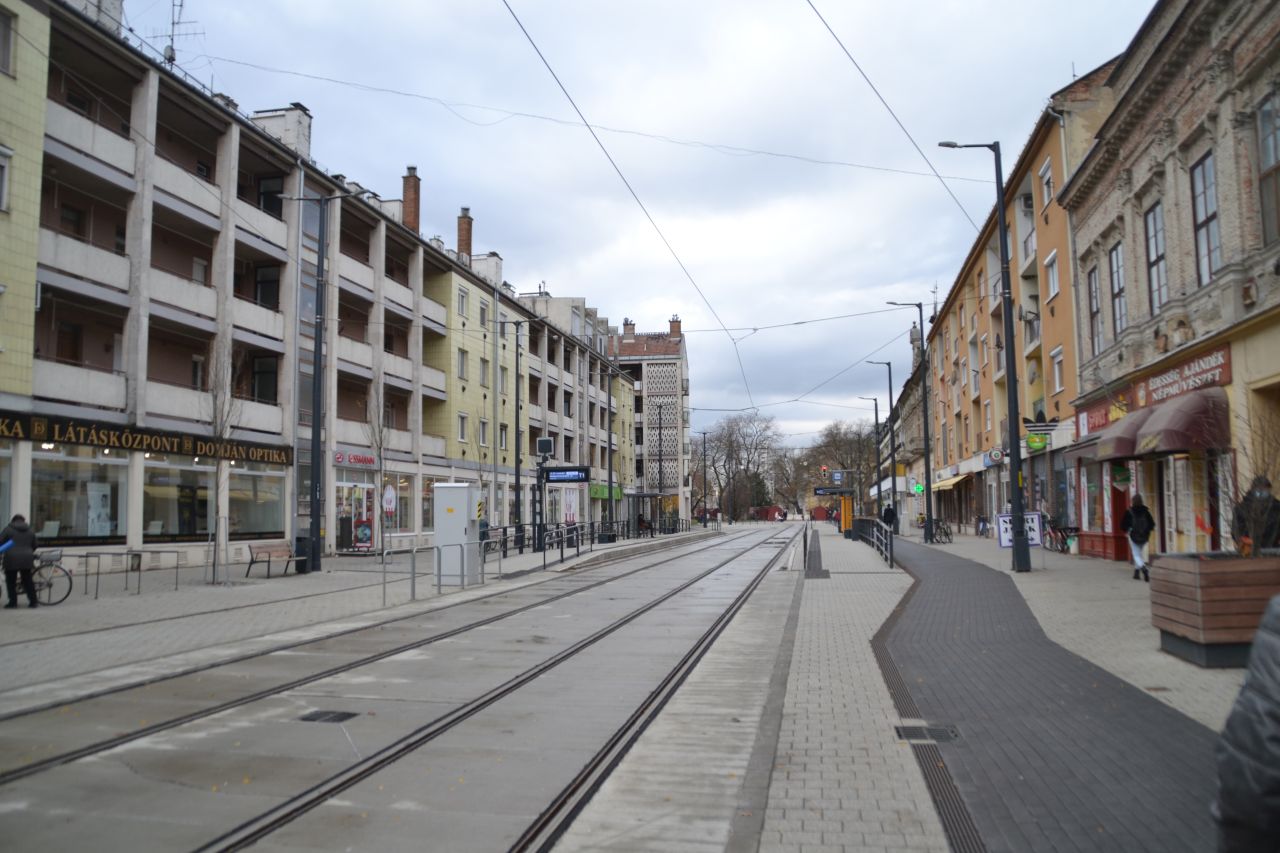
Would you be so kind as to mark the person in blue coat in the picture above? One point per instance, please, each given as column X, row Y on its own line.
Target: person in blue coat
column 19, row 560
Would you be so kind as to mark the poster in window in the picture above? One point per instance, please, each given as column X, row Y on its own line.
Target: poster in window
column 99, row 509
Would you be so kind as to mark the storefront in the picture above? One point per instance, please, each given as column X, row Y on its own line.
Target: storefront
column 103, row 484
column 1166, row 437
column 355, row 500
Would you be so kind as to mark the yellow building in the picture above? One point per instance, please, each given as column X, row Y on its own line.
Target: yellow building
column 24, row 68
column 967, row 375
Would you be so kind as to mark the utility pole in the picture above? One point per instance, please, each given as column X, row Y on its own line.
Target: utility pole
column 893, row 462
column 519, row 441
column 876, row 402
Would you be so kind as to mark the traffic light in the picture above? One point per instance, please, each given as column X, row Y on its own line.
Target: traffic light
column 825, row 473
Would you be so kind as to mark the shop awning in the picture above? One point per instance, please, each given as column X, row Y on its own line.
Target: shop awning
column 1194, row 421
column 1117, row 441
column 949, row 483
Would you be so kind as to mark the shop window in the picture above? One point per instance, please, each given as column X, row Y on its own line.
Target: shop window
column 255, row 501
column 428, row 504
column 397, row 495
column 1204, row 209
column 79, row 493
column 177, row 498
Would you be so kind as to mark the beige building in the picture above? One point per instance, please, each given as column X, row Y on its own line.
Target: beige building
column 1176, row 241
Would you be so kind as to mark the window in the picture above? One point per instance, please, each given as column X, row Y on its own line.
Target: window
column 462, row 427
column 67, row 343
column 462, row 304
column 1119, row 312
column 199, row 270
column 983, row 346
column 6, row 42
column 502, row 325
column 1095, row 314
column 1051, row 273
column 197, row 372
column 6, row 158
column 502, row 379
column 266, row 287
column 264, row 379
column 986, row 414
column 1046, row 184
column 484, row 433
column 1157, row 275
column 484, row 373
column 1057, row 357
column 121, row 241
column 462, row 364
column 502, row 436
column 72, row 220
column 484, row 313
column 1204, row 208
column 1269, row 166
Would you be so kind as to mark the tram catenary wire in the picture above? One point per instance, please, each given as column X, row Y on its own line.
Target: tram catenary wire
column 41, row 765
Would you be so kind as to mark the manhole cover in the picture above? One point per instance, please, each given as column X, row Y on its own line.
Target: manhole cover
column 927, row 734
column 328, row 716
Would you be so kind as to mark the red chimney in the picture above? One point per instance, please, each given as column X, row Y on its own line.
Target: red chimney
column 412, row 195
column 464, row 236
column 675, row 326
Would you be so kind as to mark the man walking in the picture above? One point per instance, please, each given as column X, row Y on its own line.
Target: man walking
column 1138, row 524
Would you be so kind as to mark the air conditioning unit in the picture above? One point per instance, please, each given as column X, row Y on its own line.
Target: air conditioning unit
column 1028, row 202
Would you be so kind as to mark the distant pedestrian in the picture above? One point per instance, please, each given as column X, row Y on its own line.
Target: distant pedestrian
column 1138, row 524
column 1247, row 807
column 19, row 561
column 1256, row 521
column 889, row 516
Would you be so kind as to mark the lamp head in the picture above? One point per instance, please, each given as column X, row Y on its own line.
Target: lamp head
column 947, row 143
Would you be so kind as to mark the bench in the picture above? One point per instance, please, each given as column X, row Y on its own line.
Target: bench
column 266, row 553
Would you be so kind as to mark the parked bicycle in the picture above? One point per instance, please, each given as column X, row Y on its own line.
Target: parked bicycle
column 942, row 532
column 52, row 581
column 1059, row 538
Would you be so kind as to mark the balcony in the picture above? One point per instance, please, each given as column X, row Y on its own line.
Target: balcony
column 356, row 352
column 535, row 412
column 183, row 293
column 70, row 127
column 78, row 384
column 83, row 260
column 399, row 294
column 398, row 366
column 1028, row 266
column 177, row 401
column 1030, row 336
column 256, row 318
column 183, row 185
column 351, row 432
column 432, row 311
column 433, row 445
column 257, row 221
column 355, row 271
column 400, row 440
column 433, row 378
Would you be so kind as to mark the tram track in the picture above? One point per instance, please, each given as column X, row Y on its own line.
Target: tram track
column 542, row 834
column 12, row 775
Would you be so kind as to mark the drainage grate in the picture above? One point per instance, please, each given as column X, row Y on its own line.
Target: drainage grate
column 328, row 716
column 927, row 734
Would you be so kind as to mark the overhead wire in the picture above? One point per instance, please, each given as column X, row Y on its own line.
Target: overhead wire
column 635, row 196
column 897, row 120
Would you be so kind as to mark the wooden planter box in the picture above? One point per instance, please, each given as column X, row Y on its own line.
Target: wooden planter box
column 1208, row 606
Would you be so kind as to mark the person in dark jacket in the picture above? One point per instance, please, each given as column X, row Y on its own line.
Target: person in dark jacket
column 1138, row 524
column 19, row 560
column 1247, row 807
column 1256, row 521
column 890, row 517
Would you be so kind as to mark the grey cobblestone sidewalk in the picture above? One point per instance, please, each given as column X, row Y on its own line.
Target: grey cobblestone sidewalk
column 842, row 781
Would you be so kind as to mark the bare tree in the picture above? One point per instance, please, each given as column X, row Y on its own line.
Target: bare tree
column 847, row 446
column 793, row 477
column 1257, row 454
column 377, row 432
column 224, row 406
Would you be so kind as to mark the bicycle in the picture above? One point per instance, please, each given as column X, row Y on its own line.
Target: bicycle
column 984, row 527
column 942, row 532
column 52, row 581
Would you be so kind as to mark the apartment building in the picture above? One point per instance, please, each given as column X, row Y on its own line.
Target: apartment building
column 579, row 398
column 182, row 249
column 969, row 411
column 658, row 363
column 1177, row 245
column 907, row 415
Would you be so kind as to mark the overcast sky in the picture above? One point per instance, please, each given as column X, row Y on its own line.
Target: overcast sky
column 768, row 239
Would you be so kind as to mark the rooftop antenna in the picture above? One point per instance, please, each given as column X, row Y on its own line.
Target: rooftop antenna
column 176, row 23
column 935, row 303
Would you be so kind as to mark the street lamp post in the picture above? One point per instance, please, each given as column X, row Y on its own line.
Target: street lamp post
column 876, row 401
column 893, row 462
column 706, row 504
column 924, row 410
column 1021, row 548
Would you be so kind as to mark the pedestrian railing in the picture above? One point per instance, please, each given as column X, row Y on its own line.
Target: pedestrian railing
column 877, row 534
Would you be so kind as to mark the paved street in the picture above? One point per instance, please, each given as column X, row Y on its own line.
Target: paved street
column 1073, row 731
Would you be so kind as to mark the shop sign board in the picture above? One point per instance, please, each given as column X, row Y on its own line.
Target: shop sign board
column 341, row 458
column 26, row 426
column 1209, row 369
column 1030, row 523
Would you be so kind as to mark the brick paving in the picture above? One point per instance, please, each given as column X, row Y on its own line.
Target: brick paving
column 1055, row 753
column 842, row 781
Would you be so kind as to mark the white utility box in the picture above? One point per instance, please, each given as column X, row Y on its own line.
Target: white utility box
column 459, row 508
